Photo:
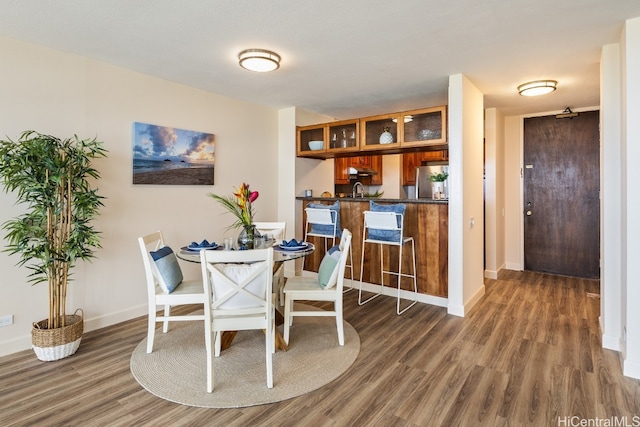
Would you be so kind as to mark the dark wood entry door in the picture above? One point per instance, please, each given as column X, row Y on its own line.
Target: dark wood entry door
column 561, row 195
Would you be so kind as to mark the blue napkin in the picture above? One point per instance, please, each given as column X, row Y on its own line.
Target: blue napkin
column 204, row 244
column 292, row 242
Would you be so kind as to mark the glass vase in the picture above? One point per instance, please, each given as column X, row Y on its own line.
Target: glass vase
column 248, row 237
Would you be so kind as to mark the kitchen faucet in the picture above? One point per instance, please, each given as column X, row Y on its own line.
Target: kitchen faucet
column 358, row 190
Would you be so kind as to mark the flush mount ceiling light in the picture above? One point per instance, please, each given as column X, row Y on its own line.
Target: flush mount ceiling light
column 539, row 87
column 259, row 60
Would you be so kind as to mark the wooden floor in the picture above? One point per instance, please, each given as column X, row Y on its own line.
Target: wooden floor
column 529, row 354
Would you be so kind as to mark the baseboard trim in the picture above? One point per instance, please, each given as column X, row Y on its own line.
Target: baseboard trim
column 23, row 342
column 513, row 266
column 631, row 369
column 462, row 310
column 491, row 274
column 392, row 292
column 609, row 342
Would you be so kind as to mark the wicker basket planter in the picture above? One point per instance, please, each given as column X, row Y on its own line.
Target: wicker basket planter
column 55, row 344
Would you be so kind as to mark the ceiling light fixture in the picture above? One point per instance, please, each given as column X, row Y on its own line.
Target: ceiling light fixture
column 259, row 60
column 539, row 87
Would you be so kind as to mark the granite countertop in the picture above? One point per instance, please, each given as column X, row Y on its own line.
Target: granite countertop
column 375, row 199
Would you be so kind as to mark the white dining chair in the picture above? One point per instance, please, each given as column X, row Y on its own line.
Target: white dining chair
column 165, row 285
column 276, row 230
column 237, row 287
column 327, row 286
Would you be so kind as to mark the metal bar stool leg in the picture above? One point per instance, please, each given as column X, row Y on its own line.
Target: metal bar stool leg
column 415, row 283
column 350, row 265
column 360, row 301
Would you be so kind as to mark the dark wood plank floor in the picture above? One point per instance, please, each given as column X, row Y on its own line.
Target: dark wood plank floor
column 528, row 354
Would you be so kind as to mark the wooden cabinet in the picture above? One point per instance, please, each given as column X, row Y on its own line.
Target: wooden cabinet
column 306, row 134
column 341, row 170
column 409, row 163
column 376, row 165
column 343, row 136
column 412, row 160
column 423, row 128
column 342, row 165
column 338, row 138
column 418, row 128
column 382, row 134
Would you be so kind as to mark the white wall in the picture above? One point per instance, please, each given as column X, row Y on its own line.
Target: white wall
column 466, row 204
column 62, row 94
column 494, row 192
column 611, row 198
column 630, row 296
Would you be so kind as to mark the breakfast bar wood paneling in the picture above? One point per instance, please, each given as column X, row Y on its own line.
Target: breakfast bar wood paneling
column 425, row 220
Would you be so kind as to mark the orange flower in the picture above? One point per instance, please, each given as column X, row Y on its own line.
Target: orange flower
column 239, row 205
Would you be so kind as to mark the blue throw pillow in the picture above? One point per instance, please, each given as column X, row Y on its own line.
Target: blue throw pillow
column 166, row 269
column 327, row 229
column 387, row 235
column 328, row 267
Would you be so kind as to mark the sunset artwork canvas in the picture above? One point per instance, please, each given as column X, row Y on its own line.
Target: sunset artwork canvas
column 164, row 155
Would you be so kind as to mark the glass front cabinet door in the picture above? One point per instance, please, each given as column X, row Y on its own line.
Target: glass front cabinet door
column 312, row 141
column 343, row 136
column 380, row 132
column 425, row 127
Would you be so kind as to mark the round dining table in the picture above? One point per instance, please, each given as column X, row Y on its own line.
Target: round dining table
column 281, row 253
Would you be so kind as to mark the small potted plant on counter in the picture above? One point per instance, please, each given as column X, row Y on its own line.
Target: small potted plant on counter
column 438, row 180
column 50, row 176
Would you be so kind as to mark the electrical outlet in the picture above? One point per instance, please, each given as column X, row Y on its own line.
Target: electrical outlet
column 6, row 320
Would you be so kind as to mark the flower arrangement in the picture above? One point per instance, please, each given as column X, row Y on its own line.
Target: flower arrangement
column 239, row 204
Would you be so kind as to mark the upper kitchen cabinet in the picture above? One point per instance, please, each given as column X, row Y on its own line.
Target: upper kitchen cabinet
column 337, row 138
column 425, row 127
column 410, row 129
column 312, row 141
column 383, row 134
column 380, row 132
column 343, row 136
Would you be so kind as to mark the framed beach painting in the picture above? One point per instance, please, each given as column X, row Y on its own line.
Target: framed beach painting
column 164, row 155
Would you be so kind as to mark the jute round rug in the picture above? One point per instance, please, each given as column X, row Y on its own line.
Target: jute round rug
column 176, row 369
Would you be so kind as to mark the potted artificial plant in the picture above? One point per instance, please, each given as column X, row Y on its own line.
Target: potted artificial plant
column 51, row 177
column 438, row 180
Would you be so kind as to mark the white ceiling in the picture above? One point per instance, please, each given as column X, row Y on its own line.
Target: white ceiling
column 342, row 58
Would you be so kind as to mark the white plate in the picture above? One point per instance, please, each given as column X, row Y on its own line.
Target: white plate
column 294, row 248
column 189, row 248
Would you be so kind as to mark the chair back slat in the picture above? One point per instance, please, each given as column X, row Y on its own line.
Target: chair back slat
column 276, row 229
column 321, row 216
column 238, row 280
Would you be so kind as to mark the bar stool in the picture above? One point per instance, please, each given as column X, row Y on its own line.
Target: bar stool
column 324, row 221
column 387, row 228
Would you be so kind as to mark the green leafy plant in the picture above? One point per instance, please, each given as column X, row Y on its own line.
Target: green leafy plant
column 438, row 177
column 239, row 204
column 51, row 177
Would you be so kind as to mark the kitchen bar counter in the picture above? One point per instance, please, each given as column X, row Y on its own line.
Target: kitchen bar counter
column 375, row 199
column 426, row 220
